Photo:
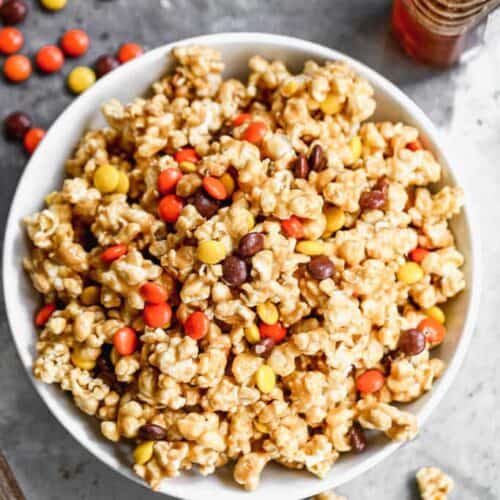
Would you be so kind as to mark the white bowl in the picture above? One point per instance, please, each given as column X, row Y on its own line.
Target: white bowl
column 44, row 173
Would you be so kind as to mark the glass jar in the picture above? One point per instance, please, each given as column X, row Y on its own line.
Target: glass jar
column 439, row 32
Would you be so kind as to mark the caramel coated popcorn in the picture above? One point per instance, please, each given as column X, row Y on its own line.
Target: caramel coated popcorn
column 245, row 272
column 434, row 484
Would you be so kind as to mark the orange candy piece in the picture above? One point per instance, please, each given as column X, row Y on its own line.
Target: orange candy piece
column 170, row 207
column 75, row 43
column 129, row 51
column 17, row 68
column 44, row 314
column 418, row 254
column 276, row 332
column 32, row 139
column 157, row 315
column 255, row 132
column 154, row 293
column 241, row 119
column 186, row 154
column 11, row 40
column 414, row 145
column 125, row 341
column 433, row 330
column 196, row 325
column 49, row 59
column 114, row 252
column 293, row 227
column 214, row 188
column 370, row 381
column 168, row 179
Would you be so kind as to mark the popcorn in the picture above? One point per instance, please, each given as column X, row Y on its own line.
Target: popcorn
column 202, row 392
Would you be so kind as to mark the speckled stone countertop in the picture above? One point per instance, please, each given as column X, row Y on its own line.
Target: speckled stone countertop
column 461, row 436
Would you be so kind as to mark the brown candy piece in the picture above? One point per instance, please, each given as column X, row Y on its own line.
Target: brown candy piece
column 357, row 438
column 321, row 267
column 301, row 167
column 152, row 432
column 377, row 197
column 250, row 244
column 264, row 347
column 317, row 160
column 17, row 124
column 205, row 204
column 412, row 342
column 234, row 270
column 105, row 64
column 13, row 12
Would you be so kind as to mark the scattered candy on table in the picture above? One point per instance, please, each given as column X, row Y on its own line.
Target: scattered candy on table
column 54, row 4
column 13, row 12
column 105, row 64
column 17, row 125
column 75, row 43
column 11, row 40
column 80, row 79
column 17, row 68
column 129, row 51
column 49, row 59
column 33, row 138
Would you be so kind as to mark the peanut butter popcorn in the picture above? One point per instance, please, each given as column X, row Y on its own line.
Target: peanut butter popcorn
column 434, row 484
column 246, row 272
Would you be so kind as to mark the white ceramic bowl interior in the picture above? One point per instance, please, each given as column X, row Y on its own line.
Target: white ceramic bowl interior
column 44, row 173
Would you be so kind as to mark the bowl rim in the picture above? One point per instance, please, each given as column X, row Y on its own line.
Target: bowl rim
column 319, row 51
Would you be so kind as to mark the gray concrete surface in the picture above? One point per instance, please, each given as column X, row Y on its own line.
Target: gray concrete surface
column 461, row 436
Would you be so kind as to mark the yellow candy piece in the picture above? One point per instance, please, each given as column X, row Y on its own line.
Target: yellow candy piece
column 144, row 452
column 211, row 251
column 228, row 182
column 335, row 219
column 410, row 273
column 106, row 178
column 123, row 183
column 356, row 148
column 266, row 379
column 268, row 313
column 81, row 362
column 331, row 105
column 187, row 167
column 80, row 79
column 252, row 334
column 310, row 247
column 436, row 313
column 261, row 427
column 90, row 296
column 54, row 4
